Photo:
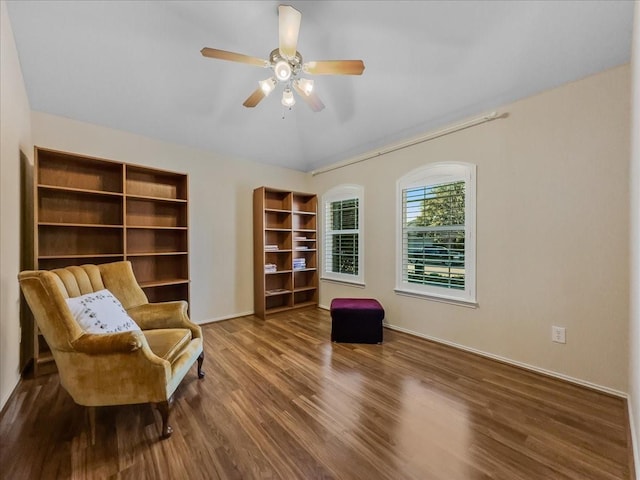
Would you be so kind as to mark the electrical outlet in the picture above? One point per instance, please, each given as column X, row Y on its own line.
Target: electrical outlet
column 558, row 334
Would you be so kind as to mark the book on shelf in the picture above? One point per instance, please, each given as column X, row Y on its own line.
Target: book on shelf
column 302, row 247
column 270, row 268
column 276, row 291
column 300, row 238
column 299, row 263
column 271, row 247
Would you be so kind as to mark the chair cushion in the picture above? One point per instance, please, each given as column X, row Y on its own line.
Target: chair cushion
column 168, row 343
column 100, row 312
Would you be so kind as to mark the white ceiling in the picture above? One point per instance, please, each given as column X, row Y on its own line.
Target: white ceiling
column 136, row 66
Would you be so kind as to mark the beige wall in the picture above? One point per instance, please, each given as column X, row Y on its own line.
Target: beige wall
column 15, row 137
column 220, row 208
column 634, row 325
column 552, row 232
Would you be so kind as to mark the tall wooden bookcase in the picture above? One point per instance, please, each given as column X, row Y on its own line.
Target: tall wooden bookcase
column 285, row 250
column 90, row 210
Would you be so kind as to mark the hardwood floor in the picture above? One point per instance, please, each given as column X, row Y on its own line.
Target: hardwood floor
column 281, row 402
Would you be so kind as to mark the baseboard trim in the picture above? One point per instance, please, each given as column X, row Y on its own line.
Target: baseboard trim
column 526, row 366
column 225, row 317
column 634, row 458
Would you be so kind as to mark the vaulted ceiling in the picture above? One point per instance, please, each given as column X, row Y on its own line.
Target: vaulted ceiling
column 136, row 66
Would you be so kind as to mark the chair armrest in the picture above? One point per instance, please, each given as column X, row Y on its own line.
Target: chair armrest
column 98, row 344
column 164, row 315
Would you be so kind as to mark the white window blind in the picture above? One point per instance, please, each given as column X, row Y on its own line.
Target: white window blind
column 433, row 235
column 342, row 234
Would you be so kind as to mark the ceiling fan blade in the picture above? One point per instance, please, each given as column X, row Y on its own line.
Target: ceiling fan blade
column 311, row 99
column 288, row 28
column 255, row 98
column 335, row 67
column 233, row 57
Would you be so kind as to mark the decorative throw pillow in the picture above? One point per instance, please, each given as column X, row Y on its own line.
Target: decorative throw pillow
column 101, row 312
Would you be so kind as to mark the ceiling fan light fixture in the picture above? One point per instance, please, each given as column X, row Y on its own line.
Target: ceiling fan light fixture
column 268, row 85
column 282, row 69
column 287, row 66
column 305, row 85
column 287, row 98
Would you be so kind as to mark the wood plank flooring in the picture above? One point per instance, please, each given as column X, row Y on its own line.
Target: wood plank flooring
column 281, row 402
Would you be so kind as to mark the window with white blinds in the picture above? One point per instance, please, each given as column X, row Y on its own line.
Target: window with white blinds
column 342, row 246
column 436, row 232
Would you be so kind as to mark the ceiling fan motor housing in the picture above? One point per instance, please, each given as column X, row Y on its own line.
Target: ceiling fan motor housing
column 277, row 60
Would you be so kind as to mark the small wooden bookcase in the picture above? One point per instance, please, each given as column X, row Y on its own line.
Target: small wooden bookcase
column 285, row 250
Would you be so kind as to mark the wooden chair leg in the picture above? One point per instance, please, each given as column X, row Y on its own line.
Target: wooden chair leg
column 92, row 424
column 200, row 360
column 165, row 408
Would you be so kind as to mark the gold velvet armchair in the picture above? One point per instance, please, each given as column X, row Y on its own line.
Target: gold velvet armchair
column 99, row 369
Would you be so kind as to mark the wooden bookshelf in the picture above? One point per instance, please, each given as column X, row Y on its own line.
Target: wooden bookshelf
column 92, row 210
column 284, row 237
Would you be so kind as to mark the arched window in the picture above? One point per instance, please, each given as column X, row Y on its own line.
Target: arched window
column 436, row 232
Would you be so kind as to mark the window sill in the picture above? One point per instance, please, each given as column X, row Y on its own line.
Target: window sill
column 348, row 283
column 437, row 298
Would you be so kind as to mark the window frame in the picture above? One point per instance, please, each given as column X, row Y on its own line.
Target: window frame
column 337, row 194
column 435, row 174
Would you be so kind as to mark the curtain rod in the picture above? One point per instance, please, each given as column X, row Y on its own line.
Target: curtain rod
column 409, row 143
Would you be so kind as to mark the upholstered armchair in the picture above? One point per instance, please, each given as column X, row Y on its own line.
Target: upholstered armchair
column 143, row 365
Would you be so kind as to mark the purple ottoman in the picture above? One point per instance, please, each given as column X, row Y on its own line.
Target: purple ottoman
column 356, row 320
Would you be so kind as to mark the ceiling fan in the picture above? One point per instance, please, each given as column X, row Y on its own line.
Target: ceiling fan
column 287, row 66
